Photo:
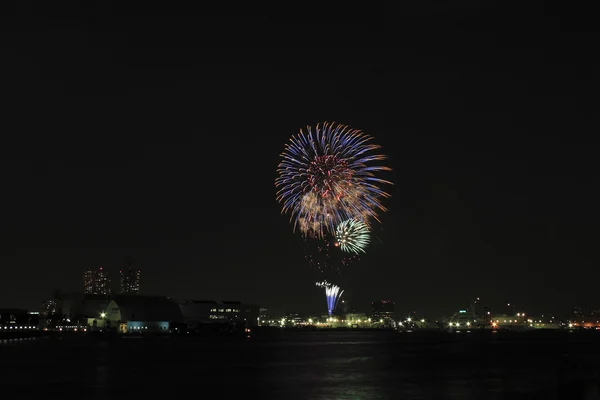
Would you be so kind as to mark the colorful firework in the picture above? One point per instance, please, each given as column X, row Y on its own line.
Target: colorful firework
column 328, row 175
column 352, row 236
column 333, row 293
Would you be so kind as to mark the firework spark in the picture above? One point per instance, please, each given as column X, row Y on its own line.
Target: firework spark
column 352, row 236
column 333, row 293
column 328, row 175
column 325, row 255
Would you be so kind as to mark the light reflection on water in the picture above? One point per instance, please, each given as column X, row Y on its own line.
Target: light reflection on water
column 297, row 366
column 15, row 341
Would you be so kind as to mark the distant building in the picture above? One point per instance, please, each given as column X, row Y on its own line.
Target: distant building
column 477, row 307
column 203, row 312
column 15, row 317
column 265, row 318
column 134, row 314
column 96, row 282
column 130, row 281
column 383, row 309
column 48, row 308
column 352, row 320
column 89, row 281
column 520, row 321
column 294, row 318
column 464, row 318
column 346, row 308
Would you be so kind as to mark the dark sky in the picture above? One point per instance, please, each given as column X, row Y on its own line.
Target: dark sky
column 156, row 133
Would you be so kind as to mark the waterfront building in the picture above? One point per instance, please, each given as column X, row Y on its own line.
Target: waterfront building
column 383, row 310
column 134, row 314
column 203, row 312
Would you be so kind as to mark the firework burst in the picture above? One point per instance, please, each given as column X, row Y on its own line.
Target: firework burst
column 352, row 236
column 333, row 293
column 328, row 175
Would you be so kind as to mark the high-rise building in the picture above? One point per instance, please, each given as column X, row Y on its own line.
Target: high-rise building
column 88, row 281
column 48, row 308
column 477, row 307
column 383, row 309
column 130, row 281
column 96, row 282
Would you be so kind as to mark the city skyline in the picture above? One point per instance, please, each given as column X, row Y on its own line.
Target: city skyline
column 98, row 281
column 164, row 145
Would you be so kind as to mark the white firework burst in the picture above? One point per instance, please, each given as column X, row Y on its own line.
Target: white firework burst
column 352, row 236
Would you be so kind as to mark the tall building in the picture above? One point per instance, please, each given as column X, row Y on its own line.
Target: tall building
column 130, row 281
column 48, row 308
column 477, row 307
column 96, row 282
column 382, row 309
column 88, row 281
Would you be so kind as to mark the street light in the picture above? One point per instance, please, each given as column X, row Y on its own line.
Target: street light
column 103, row 315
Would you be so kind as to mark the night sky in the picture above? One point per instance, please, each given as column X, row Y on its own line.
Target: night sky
column 156, row 133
